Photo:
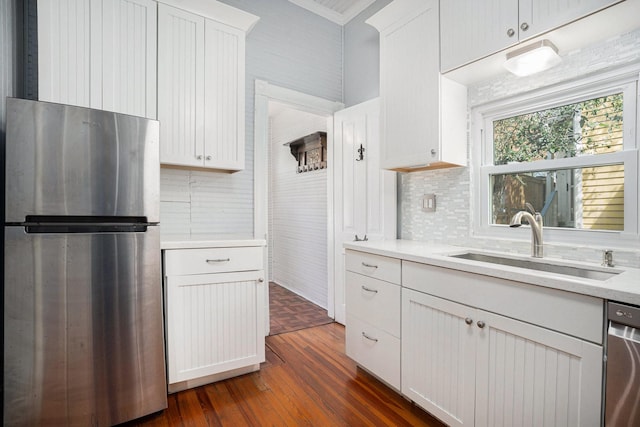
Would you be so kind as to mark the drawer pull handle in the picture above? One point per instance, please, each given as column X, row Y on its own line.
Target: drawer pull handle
column 212, row 261
column 481, row 324
column 369, row 265
column 364, row 288
column 369, row 338
column 468, row 320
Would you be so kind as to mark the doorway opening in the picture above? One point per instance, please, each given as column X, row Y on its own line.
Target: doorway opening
column 297, row 228
column 293, row 208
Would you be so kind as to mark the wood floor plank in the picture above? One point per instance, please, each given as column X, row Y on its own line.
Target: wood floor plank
column 307, row 380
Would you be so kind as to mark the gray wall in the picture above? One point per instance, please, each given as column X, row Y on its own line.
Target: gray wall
column 362, row 57
column 288, row 47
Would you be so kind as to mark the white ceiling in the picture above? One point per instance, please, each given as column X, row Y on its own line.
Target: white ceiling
column 338, row 11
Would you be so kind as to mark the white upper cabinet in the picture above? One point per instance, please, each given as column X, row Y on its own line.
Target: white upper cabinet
column 424, row 114
column 181, row 86
column 99, row 54
column 473, row 29
column 201, row 85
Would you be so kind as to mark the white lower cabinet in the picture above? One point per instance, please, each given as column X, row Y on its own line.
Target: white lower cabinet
column 471, row 367
column 438, row 357
column 214, row 314
column 476, row 350
column 373, row 314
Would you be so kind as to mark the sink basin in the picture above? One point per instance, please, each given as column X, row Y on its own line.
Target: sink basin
column 587, row 273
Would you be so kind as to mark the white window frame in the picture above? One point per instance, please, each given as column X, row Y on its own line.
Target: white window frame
column 625, row 80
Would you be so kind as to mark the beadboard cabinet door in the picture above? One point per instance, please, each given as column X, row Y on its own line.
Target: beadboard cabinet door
column 201, row 88
column 439, row 356
column 471, row 367
column 129, row 57
column 98, row 54
column 473, row 29
column 424, row 113
column 64, row 51
column 224, row 89
column 214, row 324
column 528, row 375
column 180, row 86
column 364, row 194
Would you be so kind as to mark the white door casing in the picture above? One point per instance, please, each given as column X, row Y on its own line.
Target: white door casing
column 364, row 194
column 265, row 92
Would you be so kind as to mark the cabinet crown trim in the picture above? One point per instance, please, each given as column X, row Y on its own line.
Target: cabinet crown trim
column 218, row 12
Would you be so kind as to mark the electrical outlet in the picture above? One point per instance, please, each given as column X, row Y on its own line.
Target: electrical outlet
column 429, row 203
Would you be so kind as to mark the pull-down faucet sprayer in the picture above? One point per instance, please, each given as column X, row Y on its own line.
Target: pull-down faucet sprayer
column 535, row 221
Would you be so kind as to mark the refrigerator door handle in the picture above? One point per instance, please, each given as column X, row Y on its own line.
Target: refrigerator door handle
column 84, row 228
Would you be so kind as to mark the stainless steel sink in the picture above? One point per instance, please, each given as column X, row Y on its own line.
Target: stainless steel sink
column 587, row 273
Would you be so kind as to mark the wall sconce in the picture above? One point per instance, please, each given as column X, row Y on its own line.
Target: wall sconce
column 531, row 59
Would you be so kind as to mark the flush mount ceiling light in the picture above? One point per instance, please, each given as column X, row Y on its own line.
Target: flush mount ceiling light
column 531, row 59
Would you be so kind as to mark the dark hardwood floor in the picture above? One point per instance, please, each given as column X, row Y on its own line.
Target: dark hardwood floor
column 290, row 312
column 307, row 380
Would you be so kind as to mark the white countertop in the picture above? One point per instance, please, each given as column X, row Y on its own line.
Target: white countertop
column 207, row 241
column 623, row 287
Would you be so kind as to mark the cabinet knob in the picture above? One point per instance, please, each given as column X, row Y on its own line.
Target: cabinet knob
column 199, row 157
column 433, row 152
column 208, row 157
column 511, row 32
column 481, row 324
column 261, row 280
column 524, row 26
column 468, row 320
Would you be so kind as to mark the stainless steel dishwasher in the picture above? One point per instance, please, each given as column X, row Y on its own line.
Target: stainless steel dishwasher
column 622, row 407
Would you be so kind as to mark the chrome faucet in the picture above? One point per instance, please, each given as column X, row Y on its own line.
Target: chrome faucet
column 535, row 221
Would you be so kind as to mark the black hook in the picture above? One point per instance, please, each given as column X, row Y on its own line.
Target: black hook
column 361, row 152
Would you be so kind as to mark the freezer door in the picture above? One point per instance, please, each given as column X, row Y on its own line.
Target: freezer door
column 84, row 341
column 66, row 160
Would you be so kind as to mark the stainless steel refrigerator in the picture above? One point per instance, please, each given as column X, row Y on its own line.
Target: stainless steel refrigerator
column 83, row 321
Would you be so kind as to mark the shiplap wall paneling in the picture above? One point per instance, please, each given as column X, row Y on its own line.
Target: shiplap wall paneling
column 217, row 204
column 128, row 57
column 298, row 235
column 197, row 202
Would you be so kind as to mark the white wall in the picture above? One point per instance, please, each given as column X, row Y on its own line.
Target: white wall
column 452, row 220
column 297, row 211
column 289, row 47
column 362, row 57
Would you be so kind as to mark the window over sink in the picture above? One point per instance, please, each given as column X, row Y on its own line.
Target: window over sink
column 571, row 151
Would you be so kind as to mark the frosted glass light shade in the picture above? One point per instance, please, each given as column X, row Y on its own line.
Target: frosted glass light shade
column 533, row 58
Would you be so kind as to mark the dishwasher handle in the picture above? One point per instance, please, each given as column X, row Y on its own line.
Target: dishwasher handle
column 624, row 332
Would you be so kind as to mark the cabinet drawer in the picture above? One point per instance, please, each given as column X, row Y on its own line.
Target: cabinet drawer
column 375, row 300
column 180, row 262
column 377, row 266
column 379, row 353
